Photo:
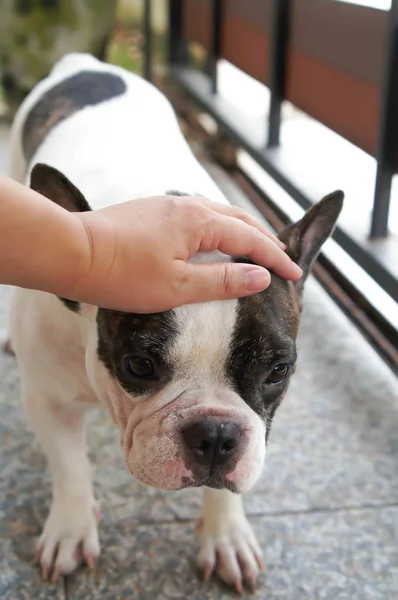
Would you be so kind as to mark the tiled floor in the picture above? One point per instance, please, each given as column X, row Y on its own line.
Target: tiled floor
column 325, row 511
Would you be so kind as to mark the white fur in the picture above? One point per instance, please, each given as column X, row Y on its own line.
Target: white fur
column 125, row 148
column 225, row 532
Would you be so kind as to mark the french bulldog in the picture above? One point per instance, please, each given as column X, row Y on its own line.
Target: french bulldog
column 192, row 391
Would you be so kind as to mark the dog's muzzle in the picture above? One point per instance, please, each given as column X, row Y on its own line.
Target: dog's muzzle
column 212, row 448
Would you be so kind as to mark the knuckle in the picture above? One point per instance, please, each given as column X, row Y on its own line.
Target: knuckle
column 177, row 203
column 256, row 236
column 195, row 209
column 226, row 278
column 172, row 207
column 246, row 217
column 183, row 282
column 180, row 281
column 189, row 213
column 240, row 213
column 200, row 209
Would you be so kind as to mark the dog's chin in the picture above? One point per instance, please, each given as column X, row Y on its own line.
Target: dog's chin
column 174, row 475
column 211, row 482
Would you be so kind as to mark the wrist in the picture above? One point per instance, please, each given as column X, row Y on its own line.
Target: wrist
column 61, row 258
column 79, row 259
column 97, row 253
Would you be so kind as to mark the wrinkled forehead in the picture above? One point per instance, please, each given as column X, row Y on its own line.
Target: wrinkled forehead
column 205, row 333
column 193, row 338
column 200, row 338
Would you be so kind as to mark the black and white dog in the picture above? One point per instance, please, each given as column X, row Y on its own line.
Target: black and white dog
column 193, row 391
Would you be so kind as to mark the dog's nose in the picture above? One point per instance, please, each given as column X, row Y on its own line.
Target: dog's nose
column 212, row 442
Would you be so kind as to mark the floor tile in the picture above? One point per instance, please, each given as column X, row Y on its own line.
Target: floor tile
column 19, row 580
column 307, row 556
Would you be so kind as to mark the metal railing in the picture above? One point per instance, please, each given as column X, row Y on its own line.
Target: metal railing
column 368, row 72
column 388, row 131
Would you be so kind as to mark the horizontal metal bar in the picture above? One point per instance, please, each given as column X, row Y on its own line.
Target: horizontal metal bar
column 248, row 136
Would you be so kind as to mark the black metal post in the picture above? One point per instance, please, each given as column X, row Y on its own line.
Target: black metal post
column 387, row 154
column 175, row 31
column 215, row 50
column 277, row 71
column 147, row 41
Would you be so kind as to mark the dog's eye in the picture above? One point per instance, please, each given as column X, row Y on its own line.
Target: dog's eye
column 278, row 374
column 141, row 367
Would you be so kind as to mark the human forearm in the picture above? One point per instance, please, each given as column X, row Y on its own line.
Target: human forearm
column 133, row 256
column 42, row 246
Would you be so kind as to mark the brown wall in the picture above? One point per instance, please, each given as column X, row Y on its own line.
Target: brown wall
column 244, row 33
column 335, row 66
column 335, row 57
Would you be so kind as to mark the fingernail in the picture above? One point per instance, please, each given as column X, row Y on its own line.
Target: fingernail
column 257, row 280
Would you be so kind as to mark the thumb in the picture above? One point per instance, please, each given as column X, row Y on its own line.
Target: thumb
column 221, row 281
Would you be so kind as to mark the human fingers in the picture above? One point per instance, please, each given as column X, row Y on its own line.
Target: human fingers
column 241, row 214
column 236, row 238
column 218, row 281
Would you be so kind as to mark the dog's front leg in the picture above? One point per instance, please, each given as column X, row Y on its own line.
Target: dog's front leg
column 228, row 544
column 70, row 534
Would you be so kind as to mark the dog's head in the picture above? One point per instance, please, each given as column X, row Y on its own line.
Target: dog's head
column 193, row 390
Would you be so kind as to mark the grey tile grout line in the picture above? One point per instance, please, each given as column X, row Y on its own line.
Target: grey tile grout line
column 287, row 513
column 329, row 510
column 283, row 514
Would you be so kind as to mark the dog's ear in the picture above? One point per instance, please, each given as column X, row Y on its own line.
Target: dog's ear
column 54, row 185
column 305, row 238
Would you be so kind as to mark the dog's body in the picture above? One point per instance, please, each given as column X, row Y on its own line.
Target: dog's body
column 192, row 391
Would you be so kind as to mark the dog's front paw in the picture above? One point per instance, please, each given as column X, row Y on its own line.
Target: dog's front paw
column 70, row 536
column 229, row 548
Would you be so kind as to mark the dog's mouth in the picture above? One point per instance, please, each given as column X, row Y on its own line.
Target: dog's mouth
column 212, row 481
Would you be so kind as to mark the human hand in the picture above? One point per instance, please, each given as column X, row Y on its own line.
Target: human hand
column 140, row 251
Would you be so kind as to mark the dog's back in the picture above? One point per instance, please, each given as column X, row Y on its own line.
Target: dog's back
column 109, row 131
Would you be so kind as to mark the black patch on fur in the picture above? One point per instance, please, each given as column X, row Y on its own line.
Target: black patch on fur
column 176, row 193
column 267, row 323
column 121, row 335
column 265, row 333
column 86, row 88
column 71, row 304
